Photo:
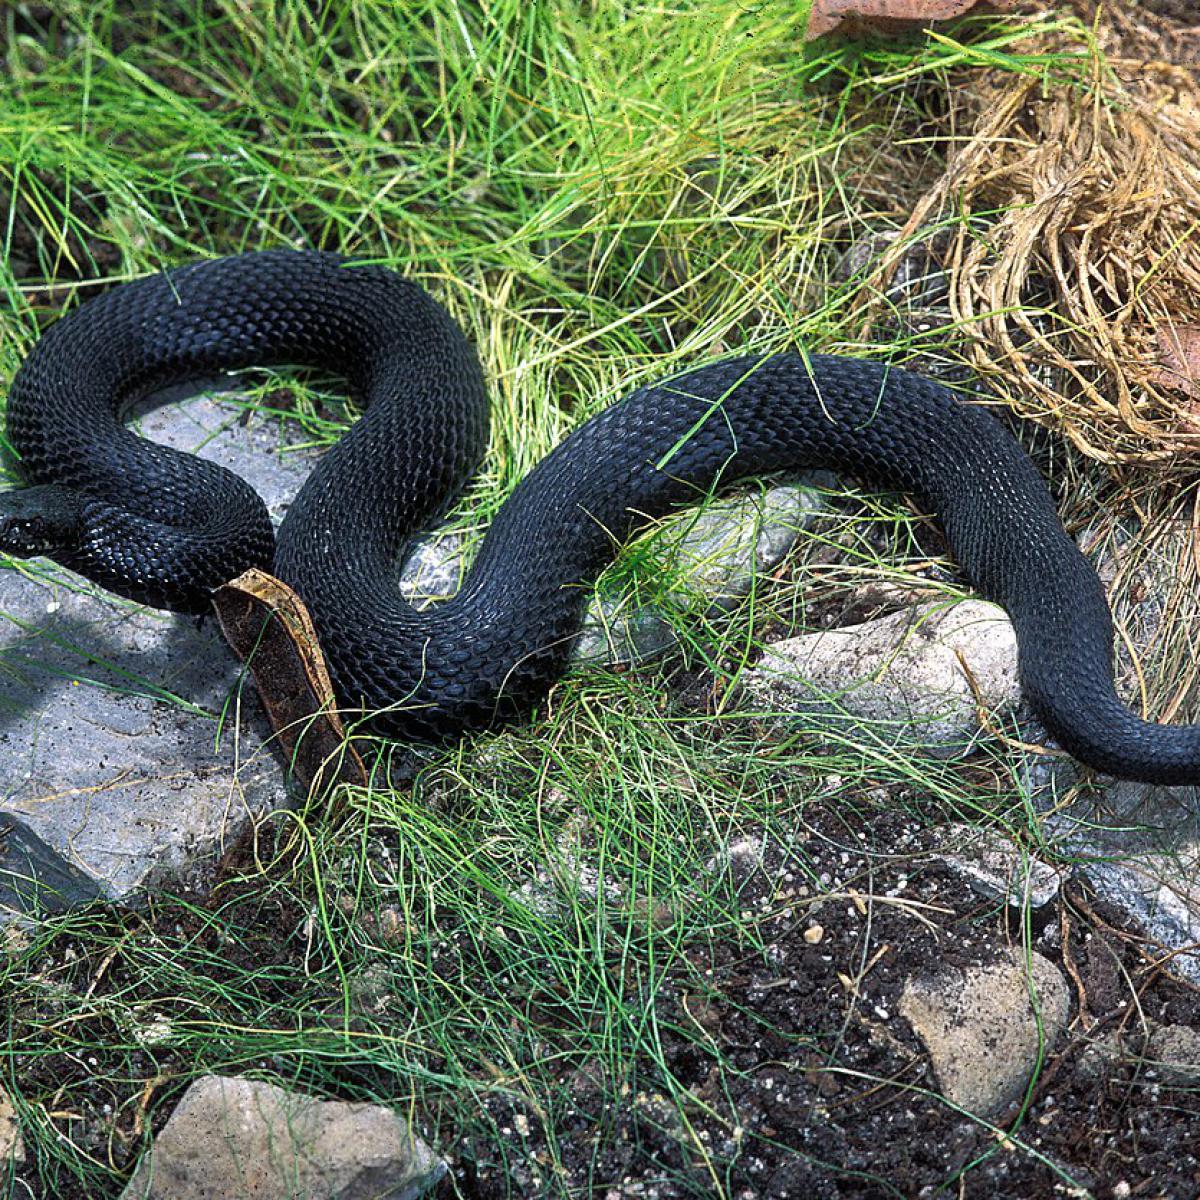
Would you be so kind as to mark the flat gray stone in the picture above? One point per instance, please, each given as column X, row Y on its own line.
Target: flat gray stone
column 898, row 680
column 241, row 1137
column 1162, row 895
column 995, row 866
column 129, row 748
column 1137, row 845
column 715, row 554
column 34, row 877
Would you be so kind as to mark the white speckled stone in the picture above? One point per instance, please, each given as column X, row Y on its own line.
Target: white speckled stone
column 896, row 680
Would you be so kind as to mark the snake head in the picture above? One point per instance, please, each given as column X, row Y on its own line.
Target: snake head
column 39, row 520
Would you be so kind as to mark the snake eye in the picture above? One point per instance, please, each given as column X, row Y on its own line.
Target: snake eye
column 38, row 520
column 24, row 537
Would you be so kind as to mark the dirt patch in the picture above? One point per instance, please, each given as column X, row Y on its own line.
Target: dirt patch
column 788, row 1072
column 781, row 1067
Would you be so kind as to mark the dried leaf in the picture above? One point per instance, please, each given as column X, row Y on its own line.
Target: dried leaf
column 1179, row 361
column 269, row 629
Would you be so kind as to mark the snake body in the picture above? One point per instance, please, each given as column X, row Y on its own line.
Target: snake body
column 166, row 528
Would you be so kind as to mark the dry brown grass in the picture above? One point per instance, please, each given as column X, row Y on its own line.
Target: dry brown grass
column 1075, row 261
column 1071, row 206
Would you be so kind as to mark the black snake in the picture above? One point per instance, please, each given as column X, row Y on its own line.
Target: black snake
column 165, row 528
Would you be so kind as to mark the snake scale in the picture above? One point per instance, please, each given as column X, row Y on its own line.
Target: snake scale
column 165, row 528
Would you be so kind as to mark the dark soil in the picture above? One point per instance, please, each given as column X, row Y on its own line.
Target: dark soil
column 783, row 1068
column 826, row 1092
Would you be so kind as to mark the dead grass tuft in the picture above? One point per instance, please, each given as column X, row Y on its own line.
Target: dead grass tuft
column 1075, row 258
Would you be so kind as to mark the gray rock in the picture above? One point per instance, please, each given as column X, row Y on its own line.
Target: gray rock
column 982, row 1030
column 714, row 555
column 1175, row 1050
column 1137, row 844
column 1101, row 1057
column 1161, row 894
column 434, row 568
column 897, row 680
column 34, row 877
column 1170, row 1053
column 996, row 867
column 129, row 751
column 241, row 1137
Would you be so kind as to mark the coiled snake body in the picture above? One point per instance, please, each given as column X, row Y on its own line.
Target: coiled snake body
column 166, row 528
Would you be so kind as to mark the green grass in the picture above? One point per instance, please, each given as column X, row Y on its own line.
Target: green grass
column 600, row 193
